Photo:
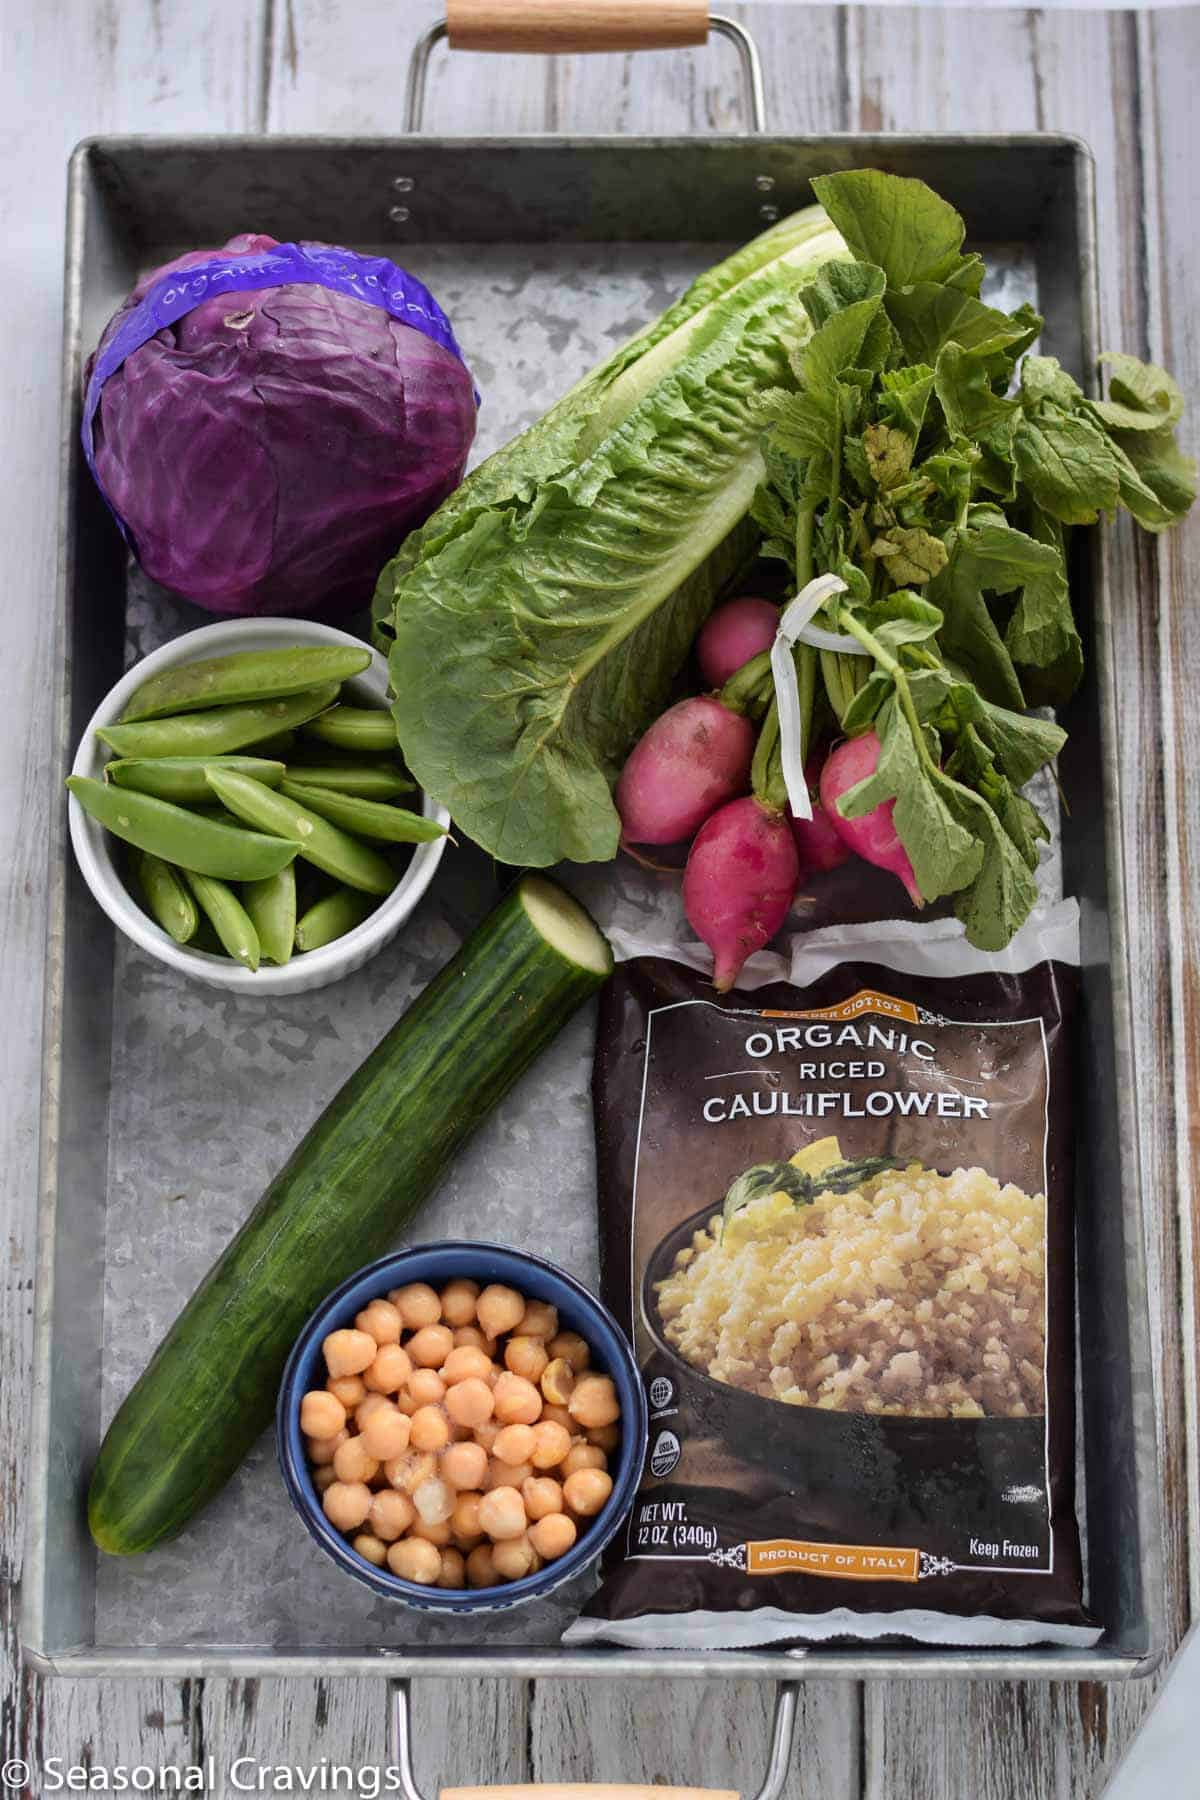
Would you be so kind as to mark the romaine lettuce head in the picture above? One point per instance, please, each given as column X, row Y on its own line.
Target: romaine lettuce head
column 538, row 619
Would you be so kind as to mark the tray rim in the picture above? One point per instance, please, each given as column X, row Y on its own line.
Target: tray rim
column 860, row 1660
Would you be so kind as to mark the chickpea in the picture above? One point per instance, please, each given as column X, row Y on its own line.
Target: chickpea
column 365, row 1408
column 348, row 1352
column 458, row 1302
column 426, row 1387
column 347, row 1504
column 513, row 1558
column 349, row 1389
column 526, row 1356
column 370, row 1548
column 586, row 1491
column 558, row 1382
column 502, row 1474
column 389, row 1371
column 464, row 1520
column 407, row 1471
column 551, row 1443
column 464, row 1466
column 539, row 1320
column 323, row 1477
column 430, row 1346
column 584, row 1456
column 594, row 1402
column 414, row 1559
column 471, row 1334
column 499, row 1309
column 434, row 1501
column 391, row 1515
column 516, row 1401
column 481, row 1570
column 417, row 1304
column 572, row 1349
column 470, row 1402
column 605, row 1437
column 440, row 1534
column 553, row 1536
column 542, row 1495
column 381, row 1321
column 487, row 1433
column 351, row 1462
column 321, row 1414
column 386, row 1433
column 323, row 1450
column 501, row 1513
column 465, row 1363
column 558, row 1415
column 454, row 1569
column 430, row 1429
column 514, row 1444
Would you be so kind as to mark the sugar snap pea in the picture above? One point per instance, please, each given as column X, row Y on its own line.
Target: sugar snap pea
column 271, row 905
column 365, row 818
column 221, row 729
column 370, row 781
column 331, row 917
column 228, row 918
column 227, row 852
column 354, row 728
column 181, row 778
column 328, row 848
column 244, row 675
column 167, row 896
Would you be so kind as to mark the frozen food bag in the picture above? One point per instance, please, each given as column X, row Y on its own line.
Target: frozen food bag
column 836, row 1219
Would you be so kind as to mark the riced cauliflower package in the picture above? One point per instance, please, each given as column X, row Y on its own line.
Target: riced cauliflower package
column 836, row 1219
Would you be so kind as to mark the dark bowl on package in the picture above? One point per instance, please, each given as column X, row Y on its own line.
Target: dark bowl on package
column 905, row 1472
column 438, row 1264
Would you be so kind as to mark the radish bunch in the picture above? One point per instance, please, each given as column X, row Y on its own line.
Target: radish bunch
column 708, row 770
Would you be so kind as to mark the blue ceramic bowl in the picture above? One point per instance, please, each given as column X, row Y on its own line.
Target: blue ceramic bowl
column 438, row 1264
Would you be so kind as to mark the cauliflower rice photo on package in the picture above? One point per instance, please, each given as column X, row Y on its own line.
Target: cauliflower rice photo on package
column 836, row 1216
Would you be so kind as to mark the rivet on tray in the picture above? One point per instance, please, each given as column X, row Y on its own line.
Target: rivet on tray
column 403, row 184
column 769, row 213
column 764, row 183
column 398, row 214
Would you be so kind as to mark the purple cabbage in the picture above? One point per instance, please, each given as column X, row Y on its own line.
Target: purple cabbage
column 267, row 450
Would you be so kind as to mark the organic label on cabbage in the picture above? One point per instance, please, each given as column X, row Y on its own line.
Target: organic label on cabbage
column 837, row 1223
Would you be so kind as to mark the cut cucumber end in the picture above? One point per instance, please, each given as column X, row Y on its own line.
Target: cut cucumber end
column 565, row 925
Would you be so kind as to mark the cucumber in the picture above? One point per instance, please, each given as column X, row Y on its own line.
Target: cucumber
column 347, row 1193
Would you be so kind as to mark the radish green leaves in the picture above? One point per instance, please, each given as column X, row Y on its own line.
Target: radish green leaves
column 921, row 454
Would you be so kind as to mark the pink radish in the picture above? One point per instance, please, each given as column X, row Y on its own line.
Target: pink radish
column 732, row 634
column 692, row 759
column 873, row 837
column 817, row 838
column 741, row 875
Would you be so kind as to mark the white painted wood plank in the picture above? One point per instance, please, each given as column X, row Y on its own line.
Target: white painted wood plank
column 1079, row 73
column 693, row 1734
column 1169, row 54
column 68, row 69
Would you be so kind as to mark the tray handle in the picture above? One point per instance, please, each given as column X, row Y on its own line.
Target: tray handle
column 553, row 25
column 783, row 1730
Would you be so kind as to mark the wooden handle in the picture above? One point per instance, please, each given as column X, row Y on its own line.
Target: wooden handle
column 586, row 1790
column 552, row 25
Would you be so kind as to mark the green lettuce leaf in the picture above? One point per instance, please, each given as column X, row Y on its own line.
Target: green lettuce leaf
column 537, row 634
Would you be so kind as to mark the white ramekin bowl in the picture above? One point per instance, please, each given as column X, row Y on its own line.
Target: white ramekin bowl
column 95, row 849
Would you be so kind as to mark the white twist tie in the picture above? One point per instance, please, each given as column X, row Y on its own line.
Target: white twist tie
column 795, row 628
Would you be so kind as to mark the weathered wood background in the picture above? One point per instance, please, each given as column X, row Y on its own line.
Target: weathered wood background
column 1128, row 84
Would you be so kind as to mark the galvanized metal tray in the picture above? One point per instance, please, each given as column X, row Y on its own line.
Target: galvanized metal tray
column 165, row 1106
